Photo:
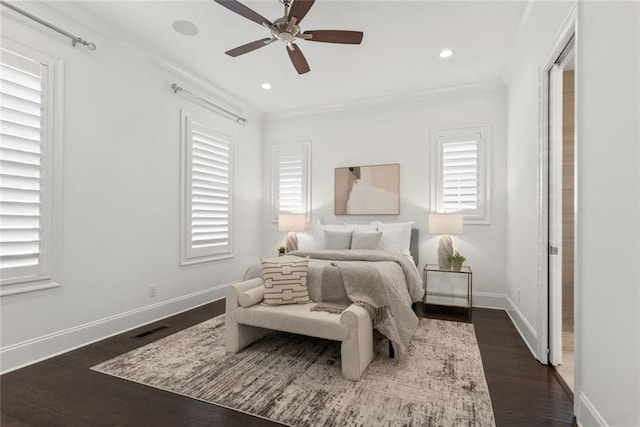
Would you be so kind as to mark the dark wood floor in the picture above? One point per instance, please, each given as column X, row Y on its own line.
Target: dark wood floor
column 63, row 391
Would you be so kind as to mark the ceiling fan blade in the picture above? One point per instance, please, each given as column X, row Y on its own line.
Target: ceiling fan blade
column 249, row 47
column 299, row 9
column 297, row 59
column 334, row 36
column 243, row 10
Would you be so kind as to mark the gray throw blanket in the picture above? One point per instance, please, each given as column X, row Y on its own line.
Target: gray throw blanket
column 364, row 287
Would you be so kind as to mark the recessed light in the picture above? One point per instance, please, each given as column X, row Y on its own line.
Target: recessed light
column 186, row 28
column 446, row 53
column 266, row 86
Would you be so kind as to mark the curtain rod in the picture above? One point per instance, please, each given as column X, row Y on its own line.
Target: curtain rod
column 177, row 89
column 74, row 39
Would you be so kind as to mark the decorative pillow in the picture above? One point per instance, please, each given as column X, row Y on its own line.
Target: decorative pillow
column 395, row 237
column 366, row 240
column 285, row 282
column 337, row 239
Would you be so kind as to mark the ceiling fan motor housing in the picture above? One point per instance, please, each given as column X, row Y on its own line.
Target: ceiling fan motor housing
column 283, row 31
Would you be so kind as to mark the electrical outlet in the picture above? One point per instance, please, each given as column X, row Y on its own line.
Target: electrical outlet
column 152, row 290
column 518, row 295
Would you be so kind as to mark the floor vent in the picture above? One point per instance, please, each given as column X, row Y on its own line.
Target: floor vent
column 150, row 331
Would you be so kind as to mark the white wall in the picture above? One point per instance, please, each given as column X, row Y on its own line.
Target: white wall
column 121, row 199
column 608, row 253
column 400, row 132
column 543, row 22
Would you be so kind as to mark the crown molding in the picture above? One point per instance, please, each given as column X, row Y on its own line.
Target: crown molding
column 401, row 98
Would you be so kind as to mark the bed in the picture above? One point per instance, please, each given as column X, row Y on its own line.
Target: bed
column 396, row 270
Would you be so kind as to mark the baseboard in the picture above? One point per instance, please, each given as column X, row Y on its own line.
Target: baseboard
column 527, row 332
column 26, row 353
column 587, row 414
column 480, row 299
column 489, row 300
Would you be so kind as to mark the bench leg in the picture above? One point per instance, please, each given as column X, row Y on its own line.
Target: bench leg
column 239, row 336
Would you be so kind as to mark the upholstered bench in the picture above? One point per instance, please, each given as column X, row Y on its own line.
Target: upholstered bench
column 247, row 320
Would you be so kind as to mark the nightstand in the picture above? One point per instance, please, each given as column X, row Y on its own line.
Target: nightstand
column 435, row 269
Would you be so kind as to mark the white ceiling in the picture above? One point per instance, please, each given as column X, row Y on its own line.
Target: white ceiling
column 399, row 52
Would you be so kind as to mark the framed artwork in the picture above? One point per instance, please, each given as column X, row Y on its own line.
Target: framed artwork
column 367, row 190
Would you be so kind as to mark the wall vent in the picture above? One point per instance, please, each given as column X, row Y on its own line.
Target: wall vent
column 150, row 331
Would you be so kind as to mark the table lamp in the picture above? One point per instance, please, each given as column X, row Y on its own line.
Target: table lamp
column 292, row 223
column 445, row 224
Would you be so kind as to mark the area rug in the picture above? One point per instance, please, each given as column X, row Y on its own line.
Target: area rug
column 297, row 380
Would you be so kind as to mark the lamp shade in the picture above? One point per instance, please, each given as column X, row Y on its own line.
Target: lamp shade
column 445, row 223
column 292, row 222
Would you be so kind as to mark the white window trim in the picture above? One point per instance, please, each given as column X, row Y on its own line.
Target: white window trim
column 51, row 183
column 482, row 215
column 189, row 255
column 275, row 151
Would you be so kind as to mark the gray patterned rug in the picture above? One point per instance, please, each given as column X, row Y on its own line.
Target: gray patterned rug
column 297, row 380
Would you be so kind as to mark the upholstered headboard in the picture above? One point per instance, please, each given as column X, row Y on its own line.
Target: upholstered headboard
column 414, row 245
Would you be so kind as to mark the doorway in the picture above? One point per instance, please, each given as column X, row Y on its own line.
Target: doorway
column 561, row 210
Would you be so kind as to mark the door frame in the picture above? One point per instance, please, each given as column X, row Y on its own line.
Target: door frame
column 568, row 31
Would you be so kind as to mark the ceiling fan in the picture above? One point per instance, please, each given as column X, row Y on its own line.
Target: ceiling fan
column 287, row 30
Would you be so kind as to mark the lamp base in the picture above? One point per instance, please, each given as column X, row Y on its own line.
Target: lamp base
column 292, row 241
column 445, row 248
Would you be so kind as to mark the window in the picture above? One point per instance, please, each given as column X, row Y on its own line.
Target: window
column 290, row 179
column 460, row 172
column 207, row 153
column 29, row 163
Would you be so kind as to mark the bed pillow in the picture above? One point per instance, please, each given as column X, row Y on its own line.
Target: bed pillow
column 362, row 228
column 366, row 240
column 337, row 239
column 285, row 282
column 306, row 241
column 396, row 237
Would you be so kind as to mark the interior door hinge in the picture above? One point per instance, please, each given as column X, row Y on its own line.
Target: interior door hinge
column 553, row 250
column 548, row 351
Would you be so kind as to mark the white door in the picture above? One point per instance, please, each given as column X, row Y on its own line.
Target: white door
column 555, row 215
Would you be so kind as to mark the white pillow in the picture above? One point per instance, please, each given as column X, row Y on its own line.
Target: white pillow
column 306, row 241
column 335, row 227
column 396, row 237
column 362, row 228
column 366, row 240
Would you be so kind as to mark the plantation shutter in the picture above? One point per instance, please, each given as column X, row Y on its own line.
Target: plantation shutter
column 290, row 179
column 23, row 84
column 291, row 198
column 459, row 175
column 210, row 207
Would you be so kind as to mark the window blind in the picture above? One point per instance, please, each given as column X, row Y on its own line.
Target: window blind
column 22, row 99
column 459, row 175
column 290, row 179
column 291, row 198
column 210, row 190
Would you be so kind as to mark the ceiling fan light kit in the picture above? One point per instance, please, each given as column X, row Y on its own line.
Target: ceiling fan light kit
column 287, row 30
